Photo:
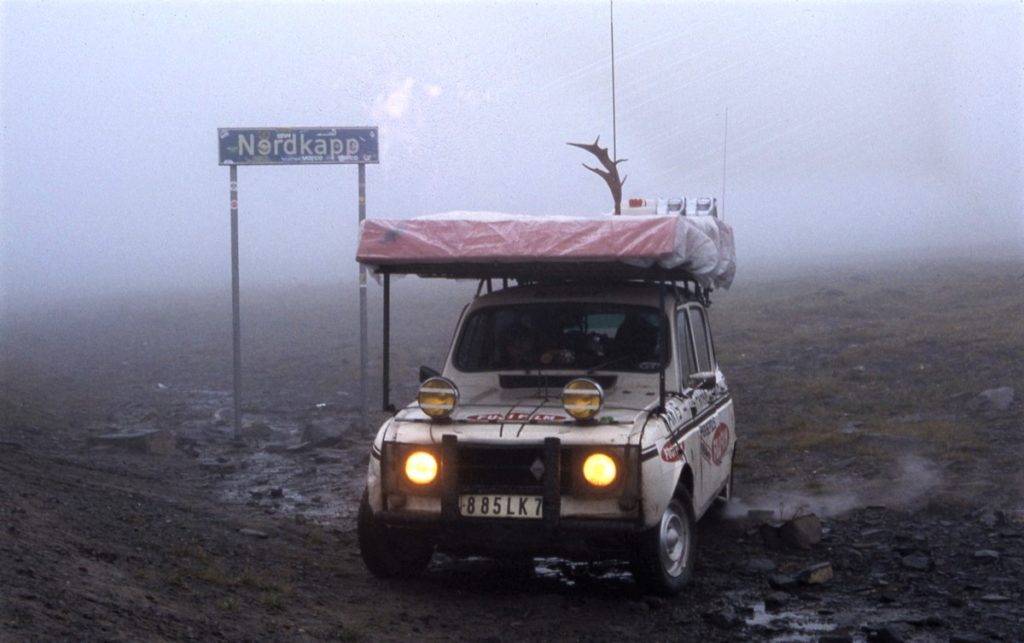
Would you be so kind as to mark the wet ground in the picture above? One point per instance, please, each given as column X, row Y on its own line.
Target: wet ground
column 852, row 405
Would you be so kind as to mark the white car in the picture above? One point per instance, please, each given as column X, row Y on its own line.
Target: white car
column 580, row 419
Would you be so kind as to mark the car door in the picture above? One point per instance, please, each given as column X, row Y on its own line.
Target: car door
column 713, row 407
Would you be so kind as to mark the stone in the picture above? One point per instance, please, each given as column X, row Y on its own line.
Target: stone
column 152, row 441
column 782, row 581
column 994, row 598
column 986, row 555
column 770, row 535
column 253, row 533
column 724, row 618
column 223, row 416
column 776, row 600
column 218, row 465
column 801, row 532
column 889, row 633
column 760, row 565
column 816, row 574
column 324, row 433
column 998, row 398
column 258, row 431
column 917, row 562
column 329, row 456
column 990, row 517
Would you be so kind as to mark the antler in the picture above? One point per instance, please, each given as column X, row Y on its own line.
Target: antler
column 610, row 174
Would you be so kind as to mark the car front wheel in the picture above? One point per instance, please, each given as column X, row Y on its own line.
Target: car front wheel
column 667, row 551
column 389, row 553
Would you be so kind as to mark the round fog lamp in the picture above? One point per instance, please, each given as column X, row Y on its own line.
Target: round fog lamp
column 438, row 397
column 582, row 398
column 421, row 467
column 599, row 469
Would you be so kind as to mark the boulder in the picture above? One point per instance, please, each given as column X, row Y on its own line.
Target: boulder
column 816, row 574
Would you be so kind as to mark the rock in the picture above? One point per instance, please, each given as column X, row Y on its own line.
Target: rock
column 918, row 562
column 967, row 638
column 223, row 416
column 760, row 565
column 994, row 598
column 986, row 555
column 816, row 574
column 324, row 433
column 218, row 466
column 776, row 600
column 990, row 517
column 153, row 441
column 276, row 492
column 889, row 633
column 724, row 618
column 801, row 532
column 254, row 533
column 782, row 581
column 329, row 456
column 258, row 431
column 998, row 398
column 770, row 535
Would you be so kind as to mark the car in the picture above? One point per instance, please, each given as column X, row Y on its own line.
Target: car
column 576, row 415
column 581, row 411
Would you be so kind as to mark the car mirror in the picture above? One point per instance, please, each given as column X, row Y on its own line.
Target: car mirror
column 705, row 380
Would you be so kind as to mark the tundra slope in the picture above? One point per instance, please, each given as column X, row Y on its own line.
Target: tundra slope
column 861, row 398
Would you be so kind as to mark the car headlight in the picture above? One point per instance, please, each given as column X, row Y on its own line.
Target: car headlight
column 582, row 398
column 438, row 397
column 600, row 470
column 421, row 467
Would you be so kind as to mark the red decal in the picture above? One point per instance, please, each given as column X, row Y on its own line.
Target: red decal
column 720, row 443
column 490, row 417
column 517, row 417
column 542, row 417
column 671, row 452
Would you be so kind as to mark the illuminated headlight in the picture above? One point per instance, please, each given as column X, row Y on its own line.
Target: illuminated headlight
column 582, row 398
column 438, row 397
column 600, row 470
column 421, row 467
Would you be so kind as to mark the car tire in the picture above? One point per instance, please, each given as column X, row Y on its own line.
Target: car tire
column 666, row 552
column 388, row 553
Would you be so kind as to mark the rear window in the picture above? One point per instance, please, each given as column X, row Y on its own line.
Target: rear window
column 585, row 336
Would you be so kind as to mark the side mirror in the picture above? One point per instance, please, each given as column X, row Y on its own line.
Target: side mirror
column 426, row 373
column 705, row 380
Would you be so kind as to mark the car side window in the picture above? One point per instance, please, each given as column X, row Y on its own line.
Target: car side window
column 684, row 340
column 702, row 343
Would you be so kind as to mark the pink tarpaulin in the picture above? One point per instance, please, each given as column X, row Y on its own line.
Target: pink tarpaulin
column 702, row 246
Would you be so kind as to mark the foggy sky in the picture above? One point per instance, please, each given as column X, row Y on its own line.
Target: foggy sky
column 886, row 129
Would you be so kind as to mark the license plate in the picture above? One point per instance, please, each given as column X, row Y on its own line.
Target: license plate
column 500, row 506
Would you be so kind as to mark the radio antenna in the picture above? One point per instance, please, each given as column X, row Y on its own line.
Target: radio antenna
column 725, row 151
column 611, row 23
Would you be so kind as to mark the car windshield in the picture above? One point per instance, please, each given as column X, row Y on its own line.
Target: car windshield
column 585, row 336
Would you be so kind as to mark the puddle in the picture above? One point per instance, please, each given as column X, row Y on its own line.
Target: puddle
column 789, row 626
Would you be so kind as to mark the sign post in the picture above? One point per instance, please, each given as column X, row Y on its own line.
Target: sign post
column 293, row 146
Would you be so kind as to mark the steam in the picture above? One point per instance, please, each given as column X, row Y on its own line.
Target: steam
column 911, row 480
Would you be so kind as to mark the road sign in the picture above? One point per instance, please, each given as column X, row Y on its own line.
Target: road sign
column 297, row 145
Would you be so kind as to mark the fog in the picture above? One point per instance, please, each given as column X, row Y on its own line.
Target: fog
column 874, row 130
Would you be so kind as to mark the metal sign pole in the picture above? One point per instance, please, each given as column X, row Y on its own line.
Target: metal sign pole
column 235, row 308
column 363, row 345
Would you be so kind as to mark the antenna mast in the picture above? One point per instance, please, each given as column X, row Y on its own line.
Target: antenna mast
column 611, row 22
column 725, row 151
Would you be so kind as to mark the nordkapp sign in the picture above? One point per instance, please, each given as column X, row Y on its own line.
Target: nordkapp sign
column 297, row 145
